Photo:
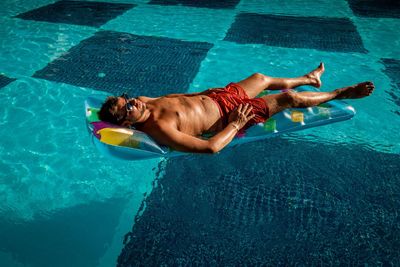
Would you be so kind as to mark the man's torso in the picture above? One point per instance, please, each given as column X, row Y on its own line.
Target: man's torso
column 194, row 114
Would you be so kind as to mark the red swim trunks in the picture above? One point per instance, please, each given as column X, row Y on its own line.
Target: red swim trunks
column 233, row 95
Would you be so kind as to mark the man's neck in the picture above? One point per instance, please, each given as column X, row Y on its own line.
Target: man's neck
column 144, row 117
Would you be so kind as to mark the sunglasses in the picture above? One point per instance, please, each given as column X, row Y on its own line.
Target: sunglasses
column 128, row 106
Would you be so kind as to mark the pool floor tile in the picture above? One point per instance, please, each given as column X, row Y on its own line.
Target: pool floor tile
column 244, row 60
column 329, row 34
column 320, row 8
column 209, row 211
column 92, row 14
column 118, row 62
column 190, row 24
column 392, row 69
column 380, row 36
column 376, row 9
column 204, row 3
column 4, row 80
column 29, row 45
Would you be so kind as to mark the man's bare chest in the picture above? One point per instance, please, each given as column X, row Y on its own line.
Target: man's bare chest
column 192, row 115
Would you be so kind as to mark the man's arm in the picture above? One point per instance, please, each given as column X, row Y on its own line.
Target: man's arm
column 177, row 140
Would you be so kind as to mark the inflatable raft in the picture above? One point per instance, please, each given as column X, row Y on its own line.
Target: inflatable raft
column 129, row 144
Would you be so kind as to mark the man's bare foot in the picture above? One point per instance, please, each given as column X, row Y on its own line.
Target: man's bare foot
column 356, row 91
column 315, row 76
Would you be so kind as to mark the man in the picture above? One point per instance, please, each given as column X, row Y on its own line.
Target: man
column 179, row 120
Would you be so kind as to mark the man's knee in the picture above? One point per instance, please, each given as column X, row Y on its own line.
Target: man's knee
column 278, row 102
column 288, row 99
column 261, row 77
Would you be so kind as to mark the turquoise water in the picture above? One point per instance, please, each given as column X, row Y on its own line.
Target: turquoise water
column 64, row 204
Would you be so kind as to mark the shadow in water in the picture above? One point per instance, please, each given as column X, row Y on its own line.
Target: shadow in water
column 76, row 236
column 277, row 202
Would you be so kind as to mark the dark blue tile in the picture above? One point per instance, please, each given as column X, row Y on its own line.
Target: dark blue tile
column 330, row 34
column 4, row 80
column 392, row 69
column 217, row 4
column 376, row 9
column 273, row 208
column 120, row 62
column 77, row 12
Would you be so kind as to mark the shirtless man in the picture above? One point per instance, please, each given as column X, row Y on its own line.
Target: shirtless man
column 179, row 120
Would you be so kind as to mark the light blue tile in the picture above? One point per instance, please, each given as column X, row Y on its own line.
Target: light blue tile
column 28, row 46
column 46, row 149
column 186, row 23
column 233, row 62
column 380, row 36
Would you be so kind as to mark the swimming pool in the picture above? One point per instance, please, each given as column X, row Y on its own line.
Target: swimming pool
column 326, row 195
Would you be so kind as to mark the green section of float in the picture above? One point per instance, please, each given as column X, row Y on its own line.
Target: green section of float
column 270, row 125
column 91, row 114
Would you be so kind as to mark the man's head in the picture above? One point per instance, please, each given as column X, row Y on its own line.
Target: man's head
column 122, row 110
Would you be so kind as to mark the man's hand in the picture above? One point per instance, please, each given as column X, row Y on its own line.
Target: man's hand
column 241, row 115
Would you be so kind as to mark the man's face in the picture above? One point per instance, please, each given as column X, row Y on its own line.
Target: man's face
column 130, row 109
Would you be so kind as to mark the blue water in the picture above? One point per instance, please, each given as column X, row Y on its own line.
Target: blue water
column 327, row 195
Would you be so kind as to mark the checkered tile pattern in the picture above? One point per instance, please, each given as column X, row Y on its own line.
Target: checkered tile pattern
column 157, row 64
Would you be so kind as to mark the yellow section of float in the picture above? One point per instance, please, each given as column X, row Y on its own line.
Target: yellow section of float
column 117, row 137
column 297, row 116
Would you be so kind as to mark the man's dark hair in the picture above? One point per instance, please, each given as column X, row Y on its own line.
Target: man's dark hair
column 108, row 111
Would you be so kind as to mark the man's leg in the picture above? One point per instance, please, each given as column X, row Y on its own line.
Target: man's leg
column 278, row 102
column 258, row 82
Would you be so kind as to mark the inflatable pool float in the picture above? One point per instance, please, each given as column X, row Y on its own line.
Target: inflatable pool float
column 130, row 144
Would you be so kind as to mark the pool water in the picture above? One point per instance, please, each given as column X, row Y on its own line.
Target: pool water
column 326, row 195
